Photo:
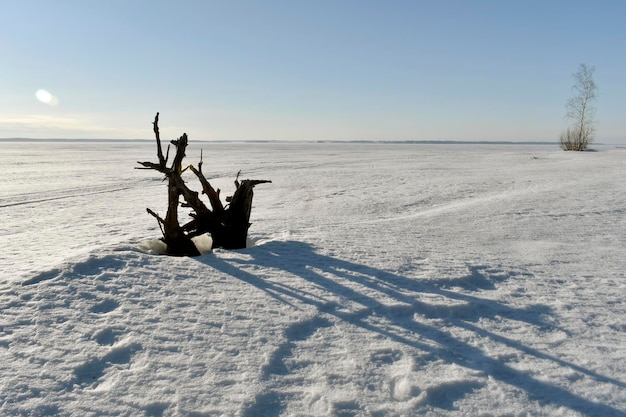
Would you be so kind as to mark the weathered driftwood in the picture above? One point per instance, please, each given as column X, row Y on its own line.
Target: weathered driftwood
column 228, row 225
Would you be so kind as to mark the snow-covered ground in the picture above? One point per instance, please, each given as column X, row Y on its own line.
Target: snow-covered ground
column 381, row 280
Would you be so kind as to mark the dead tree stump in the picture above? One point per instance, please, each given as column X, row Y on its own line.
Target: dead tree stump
column 228, row 225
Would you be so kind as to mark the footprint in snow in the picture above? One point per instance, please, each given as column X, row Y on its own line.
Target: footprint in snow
column 403, row 389
column 105, row 337
column 348, row 408
column 297, row 332
column 444, row 395
column 94, row 369
column 104, row 306
column 385, row 356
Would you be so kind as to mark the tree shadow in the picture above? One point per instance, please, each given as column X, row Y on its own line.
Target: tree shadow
column 462, row 310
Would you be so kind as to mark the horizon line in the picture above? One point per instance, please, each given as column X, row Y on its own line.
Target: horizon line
column 311, row 141
column 365, row 141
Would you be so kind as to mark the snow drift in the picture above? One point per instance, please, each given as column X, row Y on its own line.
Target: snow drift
column 383, row 280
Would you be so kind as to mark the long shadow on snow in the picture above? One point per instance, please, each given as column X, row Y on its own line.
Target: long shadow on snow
column 301, row 260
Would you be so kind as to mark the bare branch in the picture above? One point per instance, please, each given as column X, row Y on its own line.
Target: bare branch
column 155, row 124
column 160, row 221
column 207, row 188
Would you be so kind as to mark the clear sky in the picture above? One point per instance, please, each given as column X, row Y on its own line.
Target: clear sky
column 307, row 70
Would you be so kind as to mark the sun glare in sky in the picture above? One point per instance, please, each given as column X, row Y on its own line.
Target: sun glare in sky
column 46, row 97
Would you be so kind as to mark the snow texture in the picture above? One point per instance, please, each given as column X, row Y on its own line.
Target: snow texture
column 380, row 280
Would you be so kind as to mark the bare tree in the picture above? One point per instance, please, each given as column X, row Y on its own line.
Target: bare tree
column 580, row 111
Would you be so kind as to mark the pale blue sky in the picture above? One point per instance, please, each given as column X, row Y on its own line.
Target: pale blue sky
column 308, row 70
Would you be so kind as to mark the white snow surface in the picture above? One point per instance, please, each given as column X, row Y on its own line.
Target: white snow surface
column 380, row 280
